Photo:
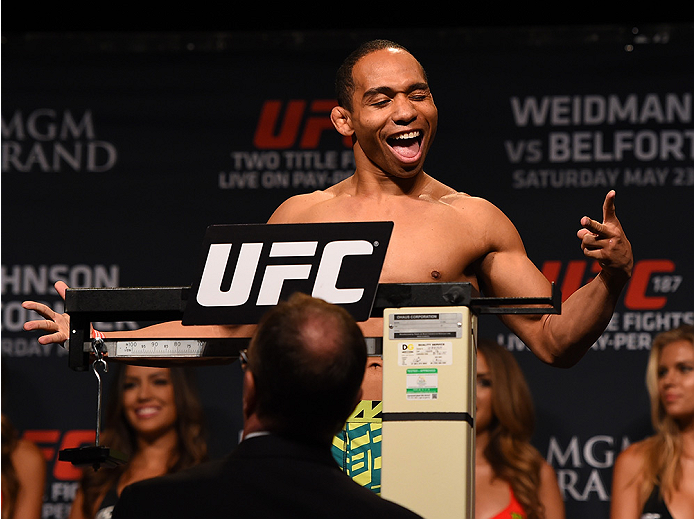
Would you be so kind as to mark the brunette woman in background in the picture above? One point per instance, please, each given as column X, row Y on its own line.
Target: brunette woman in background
column 155, row 418
column 512, row 479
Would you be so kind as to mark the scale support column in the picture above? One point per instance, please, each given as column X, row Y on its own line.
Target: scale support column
column 429, row 381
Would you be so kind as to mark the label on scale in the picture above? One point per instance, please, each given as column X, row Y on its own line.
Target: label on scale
column 158, row 348
column 435, row 325
column 422, row 384
column 418, row 353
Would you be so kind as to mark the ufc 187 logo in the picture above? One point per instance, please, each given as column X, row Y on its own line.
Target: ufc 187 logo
column 240, row 279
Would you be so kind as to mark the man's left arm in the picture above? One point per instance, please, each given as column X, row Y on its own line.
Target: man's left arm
column 563, row 339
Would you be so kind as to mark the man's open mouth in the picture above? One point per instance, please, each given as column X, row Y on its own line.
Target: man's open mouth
column 406, row 145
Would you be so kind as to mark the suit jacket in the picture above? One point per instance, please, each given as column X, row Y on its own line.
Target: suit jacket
column 265, row 477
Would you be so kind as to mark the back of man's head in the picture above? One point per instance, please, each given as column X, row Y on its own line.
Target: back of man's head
column 307, row 359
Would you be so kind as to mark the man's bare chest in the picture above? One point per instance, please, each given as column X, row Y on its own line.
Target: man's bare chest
column 427, row 253
column 430, row 241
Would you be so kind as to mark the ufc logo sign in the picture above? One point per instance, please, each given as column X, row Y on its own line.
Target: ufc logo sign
column 210, row 293
column 246, row 269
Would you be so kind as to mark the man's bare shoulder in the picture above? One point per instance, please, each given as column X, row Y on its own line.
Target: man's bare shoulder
column 436, row 191
column 299, row 208
column 466, row 202
column 480, row 216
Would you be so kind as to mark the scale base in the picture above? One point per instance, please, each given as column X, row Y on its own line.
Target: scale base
column 94, row 456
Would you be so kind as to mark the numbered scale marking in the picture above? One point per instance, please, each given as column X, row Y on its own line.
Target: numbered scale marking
column 219, row 348
column 156, row 348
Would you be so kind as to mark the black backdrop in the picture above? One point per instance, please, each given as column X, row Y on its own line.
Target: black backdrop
column 118, row 149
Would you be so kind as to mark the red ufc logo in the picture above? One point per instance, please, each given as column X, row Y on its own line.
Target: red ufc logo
column 282, row 127
column 651, row 281
column 50, row 441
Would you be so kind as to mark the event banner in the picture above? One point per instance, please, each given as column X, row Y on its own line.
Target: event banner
column 119, row 150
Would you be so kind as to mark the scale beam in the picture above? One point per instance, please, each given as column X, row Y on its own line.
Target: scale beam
column 158, row 304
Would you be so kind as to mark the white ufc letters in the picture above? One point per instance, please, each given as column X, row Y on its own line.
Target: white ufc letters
column 210, row 293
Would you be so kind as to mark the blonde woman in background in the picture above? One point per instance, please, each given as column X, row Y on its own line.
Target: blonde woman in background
column 654, row 478
column 512, row 479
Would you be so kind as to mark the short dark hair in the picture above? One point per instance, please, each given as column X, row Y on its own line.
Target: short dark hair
column 344, row 81
column 307, row 358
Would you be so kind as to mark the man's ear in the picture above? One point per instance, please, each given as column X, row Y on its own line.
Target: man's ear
column 249, row 397
column 342, row 120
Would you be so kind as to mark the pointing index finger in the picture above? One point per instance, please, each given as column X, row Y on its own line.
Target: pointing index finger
column 608, row 207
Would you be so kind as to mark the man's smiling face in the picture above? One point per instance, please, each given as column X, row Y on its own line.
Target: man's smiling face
column 393, row 114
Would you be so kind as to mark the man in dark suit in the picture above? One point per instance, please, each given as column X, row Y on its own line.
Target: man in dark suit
column 303, row 374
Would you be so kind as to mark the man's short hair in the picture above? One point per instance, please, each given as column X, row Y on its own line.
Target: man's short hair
column 307, row 359
column 344, row 80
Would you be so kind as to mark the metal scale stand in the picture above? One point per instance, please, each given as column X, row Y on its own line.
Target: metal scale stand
column 429, row 374
column 95, row 455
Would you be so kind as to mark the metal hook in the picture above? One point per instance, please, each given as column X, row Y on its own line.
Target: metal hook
column 97, row 346
column 95, row 456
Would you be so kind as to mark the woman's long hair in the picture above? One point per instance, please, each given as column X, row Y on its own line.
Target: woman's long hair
column 120, row 436
column 664, row 448
column 512, row 457
column 10, row 482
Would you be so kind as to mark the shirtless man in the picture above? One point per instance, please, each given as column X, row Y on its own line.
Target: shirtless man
column 386, row 107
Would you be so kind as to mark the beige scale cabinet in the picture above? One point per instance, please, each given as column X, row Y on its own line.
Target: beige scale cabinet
column 429, row 379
